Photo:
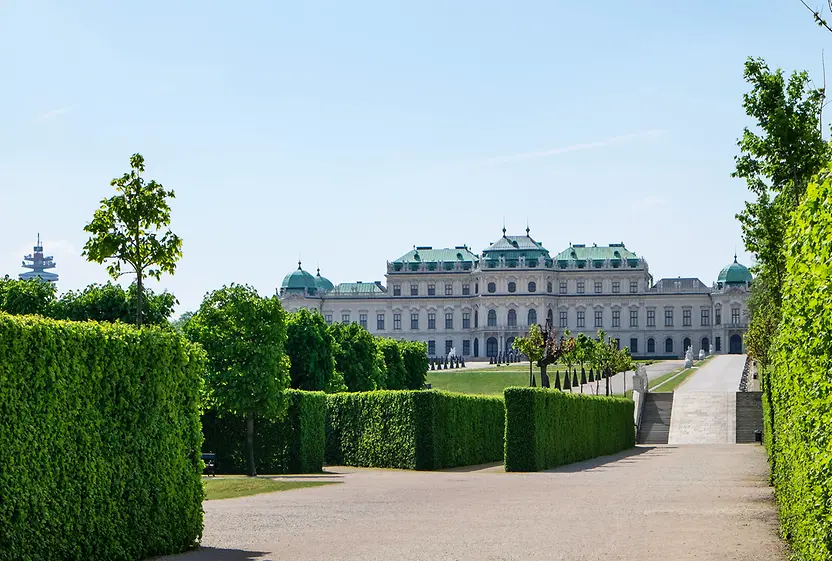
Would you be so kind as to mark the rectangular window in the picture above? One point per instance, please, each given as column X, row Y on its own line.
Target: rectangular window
column 362, row 320
column 328, row 319
column 735, row 315
column 449, row 289
column 706, row 318
column 616, row 318
column 718, row 341
column 380, row 322
column 414, row 290
column 466, row 320
column 431, row 347
column 633, row 345
column 431, row 320
column 466, row 289
column 414, row 321
column 449, row 344
column 668, row 318
column 431, row 289
column 449, row 320
column 580, row 287
column 633, row 318
column 599, row 318
column 397, row 290
column 562, row 287
column 718, row 316
column 581, row 320
column 345, row 318
column 598, row 287
column 466, row 347
column 686, row 318
column 616, row 287
column 651, row 318
column 564, row 322
column 397, row 321
column 633, row 287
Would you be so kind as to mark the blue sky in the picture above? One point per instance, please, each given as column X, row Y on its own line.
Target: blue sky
column 345, row 133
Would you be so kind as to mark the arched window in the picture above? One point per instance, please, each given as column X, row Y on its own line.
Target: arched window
column 651, row 345
column 476, row 320
column 668, row 345
column 549, row 286
column 532, row 316
column 550, row 317
column 491, row 347
column 492, row 318
column 476, row 348
column 686, row 344
column 512, row 318
column 492, row 288
column 706, row 344
column 532, row 286
column 512, row 286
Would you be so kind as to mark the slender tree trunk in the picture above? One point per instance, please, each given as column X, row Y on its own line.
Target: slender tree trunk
column 544, row 378
column 607, row 376
column 531, row 375
column 252, row 471
column 139, row 296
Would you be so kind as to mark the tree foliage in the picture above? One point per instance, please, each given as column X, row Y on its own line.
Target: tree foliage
column 110, row 302
column 310, row 347
column 357, row 358
column 125, row 230
column 244, row 336
column 415, row 357
column 26, row 297
column 532, row 345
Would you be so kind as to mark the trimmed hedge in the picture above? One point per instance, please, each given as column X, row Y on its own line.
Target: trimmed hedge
column 99, row 441
column 547, row 428
column 294, row 444
column 422, row 430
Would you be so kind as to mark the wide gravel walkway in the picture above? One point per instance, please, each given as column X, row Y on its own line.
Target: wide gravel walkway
column 720, row 374
column 648, row 504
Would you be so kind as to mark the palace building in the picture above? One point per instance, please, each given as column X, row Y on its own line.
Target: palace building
column 479, row 303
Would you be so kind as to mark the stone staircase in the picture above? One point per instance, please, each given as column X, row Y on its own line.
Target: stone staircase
column 704, row 418
column 655, row 419
column 749, row 415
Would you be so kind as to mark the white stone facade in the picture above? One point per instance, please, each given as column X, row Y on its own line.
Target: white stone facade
column 479, row 309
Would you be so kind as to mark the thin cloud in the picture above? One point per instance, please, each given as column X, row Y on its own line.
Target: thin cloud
column 58, row 112
column 578, row 147
column 650, row 201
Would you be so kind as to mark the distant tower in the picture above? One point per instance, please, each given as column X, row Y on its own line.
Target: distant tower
column 39, row 264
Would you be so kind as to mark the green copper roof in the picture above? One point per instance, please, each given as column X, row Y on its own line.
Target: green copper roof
column 348, row 288
column 735, row 273
column 322, row 283
column 299, row 281
column 428, row 254
column 516, row 245
column 582, row 252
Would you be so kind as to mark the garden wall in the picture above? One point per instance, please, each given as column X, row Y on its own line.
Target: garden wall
column 547, row 428
column 294, row 444
column 99, row 441
column 422, row 430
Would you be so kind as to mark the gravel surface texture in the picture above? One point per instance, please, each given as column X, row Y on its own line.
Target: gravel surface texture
column 647, row 504
column 721, row 374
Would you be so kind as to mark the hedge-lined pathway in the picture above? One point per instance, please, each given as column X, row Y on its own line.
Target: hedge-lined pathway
column 647, row 504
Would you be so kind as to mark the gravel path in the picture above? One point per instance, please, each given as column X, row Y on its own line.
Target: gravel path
column 721, row 374
column 648, row 504
column 653, row 371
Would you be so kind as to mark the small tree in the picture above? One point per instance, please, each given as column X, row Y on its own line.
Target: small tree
column 357, row 358
column 244, row 337
column 310, row 348
column 415, row 357
column 26, row 297
column 532, row 346
column 394, row 364
column 124, row 230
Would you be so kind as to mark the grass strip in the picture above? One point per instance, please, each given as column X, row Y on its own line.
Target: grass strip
column 231, row 487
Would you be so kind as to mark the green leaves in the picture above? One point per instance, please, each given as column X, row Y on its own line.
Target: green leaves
column 124, row 230
column 310, row 348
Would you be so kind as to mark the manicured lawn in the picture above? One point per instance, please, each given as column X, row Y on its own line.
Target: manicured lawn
column 675, row 382
column 229, row 487
column 489, row 381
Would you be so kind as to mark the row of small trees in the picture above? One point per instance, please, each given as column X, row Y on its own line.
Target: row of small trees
column 601, row 354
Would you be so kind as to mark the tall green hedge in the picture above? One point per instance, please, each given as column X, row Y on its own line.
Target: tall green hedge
column 547, row 428
column 99, row 441
column 294, row 444
column 422, row 430
column 800, row 381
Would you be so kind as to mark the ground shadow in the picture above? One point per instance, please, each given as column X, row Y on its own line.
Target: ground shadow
column 626, row 457
column 217, row 554
column 477, row 467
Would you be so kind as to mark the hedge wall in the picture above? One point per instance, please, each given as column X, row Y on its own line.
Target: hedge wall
column 422, row 430
column 294, row 444
column 800, row 382
column 99, row 441
column 547, row 428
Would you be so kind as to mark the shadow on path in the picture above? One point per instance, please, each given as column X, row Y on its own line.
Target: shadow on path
column 216, row 554
column 626, row 457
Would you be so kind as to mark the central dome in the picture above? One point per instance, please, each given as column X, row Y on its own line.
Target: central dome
column 735, row 274
column 298, row 282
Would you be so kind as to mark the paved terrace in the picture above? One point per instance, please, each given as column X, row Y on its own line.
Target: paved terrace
column 648, row 504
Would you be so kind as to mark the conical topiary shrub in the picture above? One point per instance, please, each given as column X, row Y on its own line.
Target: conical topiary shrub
column 567, row 383
column 583, row 376
column 574, row 378
column 557, row 380
column 591, row 376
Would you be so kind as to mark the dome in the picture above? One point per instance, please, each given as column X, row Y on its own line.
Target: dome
column 298, row 281
column 322, row 283
column 735, row 273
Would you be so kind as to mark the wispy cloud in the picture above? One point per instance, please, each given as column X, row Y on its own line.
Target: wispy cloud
column 578, row 147
column 58, row 112
column 650, row 201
